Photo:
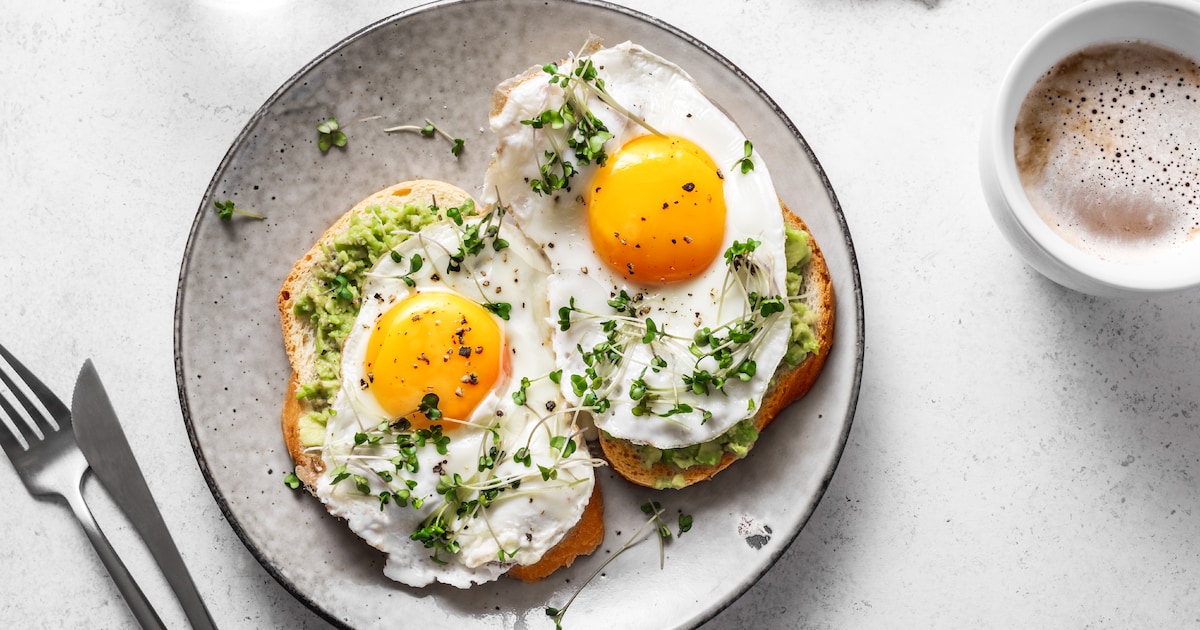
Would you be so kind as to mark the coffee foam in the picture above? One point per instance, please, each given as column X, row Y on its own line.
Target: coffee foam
column 1107, row 145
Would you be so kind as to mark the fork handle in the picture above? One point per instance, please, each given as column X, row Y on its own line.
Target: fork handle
column 143, row 611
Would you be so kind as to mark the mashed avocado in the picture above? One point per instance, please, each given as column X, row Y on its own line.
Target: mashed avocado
column 332, row 300
column 738, row 439
column 802, row 342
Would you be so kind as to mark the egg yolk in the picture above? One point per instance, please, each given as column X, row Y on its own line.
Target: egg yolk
column 656, row 210
column 434, row 342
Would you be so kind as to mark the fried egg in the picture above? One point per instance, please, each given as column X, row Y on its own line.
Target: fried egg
column 649, row 250
column 428, row 457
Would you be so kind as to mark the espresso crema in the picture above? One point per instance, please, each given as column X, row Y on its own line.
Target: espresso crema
column 1107, row 146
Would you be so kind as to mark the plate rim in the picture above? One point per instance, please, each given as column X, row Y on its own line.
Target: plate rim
column 246, row 131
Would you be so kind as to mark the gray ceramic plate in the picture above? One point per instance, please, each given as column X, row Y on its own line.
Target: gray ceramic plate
column 232, row 370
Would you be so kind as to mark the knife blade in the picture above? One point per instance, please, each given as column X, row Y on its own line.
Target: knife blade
column 107, row 450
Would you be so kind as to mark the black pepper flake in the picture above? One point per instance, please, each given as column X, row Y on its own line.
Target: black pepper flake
column 630, row 267
column 464, row 351
column 478, row 349
column 550, row 405
column 689, row 187
column 666, row 205
column 435, row 277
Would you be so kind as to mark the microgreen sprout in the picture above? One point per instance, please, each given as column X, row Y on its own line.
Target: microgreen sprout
column 685, row 523
column 331, row 135
column 745, row 164
column 415, row 262
column 226, row 209
column 429, row 407
column 291, row 480
column 429, row 130
column 655, row 512
column 341, row 287
column 500, row 309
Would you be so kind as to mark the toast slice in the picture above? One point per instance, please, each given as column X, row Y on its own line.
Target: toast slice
column 789, row 384
column 301, row 339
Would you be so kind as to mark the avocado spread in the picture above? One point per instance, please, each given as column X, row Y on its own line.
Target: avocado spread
column 738, row 439
column 332, row 299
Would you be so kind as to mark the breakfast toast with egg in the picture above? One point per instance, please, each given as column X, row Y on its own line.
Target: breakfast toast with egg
column 790, row 383
column 306, row 345
column 640, row 463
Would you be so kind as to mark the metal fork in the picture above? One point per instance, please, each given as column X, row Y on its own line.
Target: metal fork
column 53, row 465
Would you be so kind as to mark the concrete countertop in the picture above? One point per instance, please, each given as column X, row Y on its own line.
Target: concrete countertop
column 1022, row 455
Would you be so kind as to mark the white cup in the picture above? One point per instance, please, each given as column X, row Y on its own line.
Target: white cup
column 1172, row 24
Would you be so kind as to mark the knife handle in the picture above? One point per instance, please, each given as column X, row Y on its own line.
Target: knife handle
column 142, row 610
column 154, row 533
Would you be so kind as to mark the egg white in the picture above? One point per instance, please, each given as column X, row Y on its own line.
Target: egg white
column 669, row 100
column 530, row 519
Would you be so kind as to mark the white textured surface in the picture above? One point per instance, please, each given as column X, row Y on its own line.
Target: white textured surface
column 1022, row 455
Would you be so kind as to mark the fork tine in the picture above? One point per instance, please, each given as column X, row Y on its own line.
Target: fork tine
column 62, row 415
column 10, row 436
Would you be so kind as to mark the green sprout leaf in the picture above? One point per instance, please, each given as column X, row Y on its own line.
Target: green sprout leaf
column 330, row 135
column 226, row 209
column 291, row 480
column 520, row 397
column 564, row 315
column 429, row 407
column 652, row 331
column 563, row 444
column 745, row 164
column 501, row 309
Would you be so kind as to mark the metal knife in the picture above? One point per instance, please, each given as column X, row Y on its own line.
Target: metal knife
column 103, row 443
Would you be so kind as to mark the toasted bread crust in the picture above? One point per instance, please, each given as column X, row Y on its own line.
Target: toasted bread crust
column 298, row 336
column 788, row 386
